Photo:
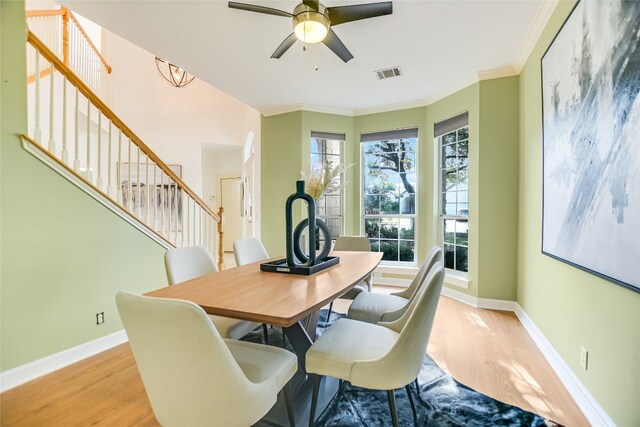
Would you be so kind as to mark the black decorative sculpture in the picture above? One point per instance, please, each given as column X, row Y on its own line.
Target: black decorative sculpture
column 297, row 261
column 294, row 248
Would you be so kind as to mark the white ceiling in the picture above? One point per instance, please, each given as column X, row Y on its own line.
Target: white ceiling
column 439, row 45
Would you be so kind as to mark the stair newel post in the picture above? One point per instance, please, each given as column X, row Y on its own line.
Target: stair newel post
column 220, row 239
column 65, row 36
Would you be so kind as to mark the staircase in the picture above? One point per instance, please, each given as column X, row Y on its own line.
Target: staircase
column 75, row 133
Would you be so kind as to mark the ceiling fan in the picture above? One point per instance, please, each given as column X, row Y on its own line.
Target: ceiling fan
column 312, row 22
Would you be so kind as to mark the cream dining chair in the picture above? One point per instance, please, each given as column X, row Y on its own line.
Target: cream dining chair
column 194, row 377
column 247, row 251
column 385, row 356
column 359, row 244
column 374, row 307
column 184, row 264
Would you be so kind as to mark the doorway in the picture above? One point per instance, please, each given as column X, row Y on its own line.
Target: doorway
column 231, row 199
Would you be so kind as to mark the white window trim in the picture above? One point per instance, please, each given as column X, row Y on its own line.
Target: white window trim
column 415, row 216
column 452, row 277
column 342, row 190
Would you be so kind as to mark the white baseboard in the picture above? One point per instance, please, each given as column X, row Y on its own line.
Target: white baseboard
column 32, row 370
column 491, row 304
column 589, row 406
column 585, row 401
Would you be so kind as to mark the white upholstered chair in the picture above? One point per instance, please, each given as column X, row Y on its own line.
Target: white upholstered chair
column 184, row 264
column 247, row 251
column 194, row 377
column 385, row 356
column 355, row 243
column 373, row 307
column 359, row 244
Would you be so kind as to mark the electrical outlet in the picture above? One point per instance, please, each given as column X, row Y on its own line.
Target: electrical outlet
column 584, row 358
column 100, row 318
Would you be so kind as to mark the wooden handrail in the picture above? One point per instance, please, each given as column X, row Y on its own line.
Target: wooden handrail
column 38, row 13
column 88, row 93
column 86, row 36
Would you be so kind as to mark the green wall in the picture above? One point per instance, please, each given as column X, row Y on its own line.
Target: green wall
column 571, row 307
column 63, row 255
column 493, row 167
column 467, row 99
column 498, row 189
column 286, row 150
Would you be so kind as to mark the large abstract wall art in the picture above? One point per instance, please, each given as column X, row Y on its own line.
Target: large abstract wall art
column 591, row 141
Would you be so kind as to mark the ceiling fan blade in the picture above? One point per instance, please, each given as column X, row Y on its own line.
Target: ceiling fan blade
column 333, row 42
column 343, row 14
column 284, row 46
column 313, row 4
column 259, row 9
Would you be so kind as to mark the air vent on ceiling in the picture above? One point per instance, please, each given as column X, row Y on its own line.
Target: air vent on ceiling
column 388, row 73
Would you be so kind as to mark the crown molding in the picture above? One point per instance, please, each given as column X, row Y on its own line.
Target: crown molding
column 390, row 107
column 497, row 73
column 274, row 111
column 475, row 78
column 538, row 25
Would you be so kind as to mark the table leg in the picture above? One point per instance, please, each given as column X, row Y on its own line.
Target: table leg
column 300, row 341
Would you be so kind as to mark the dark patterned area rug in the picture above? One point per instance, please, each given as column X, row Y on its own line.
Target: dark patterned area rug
column 442, row 400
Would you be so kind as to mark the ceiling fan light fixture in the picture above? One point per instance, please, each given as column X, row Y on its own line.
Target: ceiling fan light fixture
column 310, row 26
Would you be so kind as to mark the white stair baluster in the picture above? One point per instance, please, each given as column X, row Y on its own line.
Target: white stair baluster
column 188, row 220
column 155, row 196
column 100, row 184
column 52, row 143
column 110, row 191
column 162, row 200
column 119, row 170
column 129, row 187
column 138, row 198
column 37, row 133
column 76, row 155
column 88, row 173
column 147, row 191
column 65, row 152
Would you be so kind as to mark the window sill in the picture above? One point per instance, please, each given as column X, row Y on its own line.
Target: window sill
column 397, row 269
column 456, row 279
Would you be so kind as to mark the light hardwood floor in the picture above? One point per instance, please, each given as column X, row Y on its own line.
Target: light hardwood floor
column 487, row 350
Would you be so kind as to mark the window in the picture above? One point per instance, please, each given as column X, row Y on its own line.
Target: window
column 326, row 148
column 389, row 188
column 452, row 138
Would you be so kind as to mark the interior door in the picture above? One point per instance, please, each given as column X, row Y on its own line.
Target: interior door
column 231, row 201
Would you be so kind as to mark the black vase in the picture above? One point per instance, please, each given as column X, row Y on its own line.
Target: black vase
column 293, row 236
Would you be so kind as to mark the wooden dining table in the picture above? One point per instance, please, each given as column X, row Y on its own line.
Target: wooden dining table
column 291, row 301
